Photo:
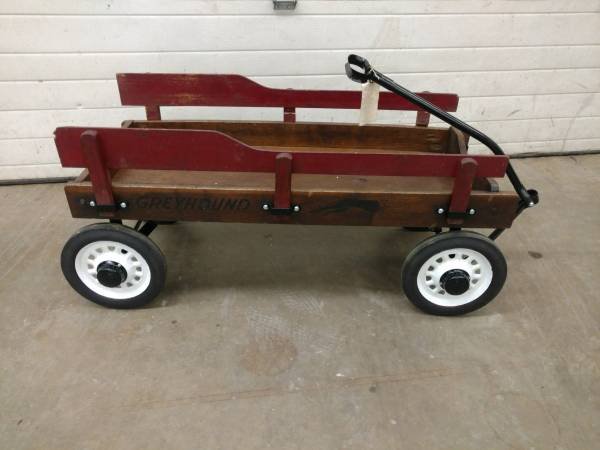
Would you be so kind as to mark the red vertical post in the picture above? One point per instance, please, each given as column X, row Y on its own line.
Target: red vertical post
column 422, row 118
column 152, row 112
column 99, row 174
column 289, row 114
column 283, row 181
column 461, row 192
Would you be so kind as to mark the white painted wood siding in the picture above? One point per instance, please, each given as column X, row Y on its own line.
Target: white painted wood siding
column 527, row 71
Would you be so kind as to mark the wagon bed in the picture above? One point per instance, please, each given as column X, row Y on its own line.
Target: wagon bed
column 357, row 199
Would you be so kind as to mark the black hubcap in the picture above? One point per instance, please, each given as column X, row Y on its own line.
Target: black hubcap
column 111, row 274
column 455, row 281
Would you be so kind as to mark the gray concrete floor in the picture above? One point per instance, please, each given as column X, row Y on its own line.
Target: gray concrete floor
column 301, row 338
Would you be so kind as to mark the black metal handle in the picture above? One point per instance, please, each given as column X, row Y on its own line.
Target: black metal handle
column 529, row 197
column 355, row 75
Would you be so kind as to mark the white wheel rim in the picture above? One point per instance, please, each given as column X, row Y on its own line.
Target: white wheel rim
column 138, row 271
column 476, row 265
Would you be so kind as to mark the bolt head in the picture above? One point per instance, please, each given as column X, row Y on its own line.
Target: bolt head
column 296, row 208
column 440, row 211
column 123, row 205
column 471, row 212
column 266, row 207
column 92, row 203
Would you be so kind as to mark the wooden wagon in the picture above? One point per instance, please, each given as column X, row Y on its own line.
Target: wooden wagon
column 287, row 172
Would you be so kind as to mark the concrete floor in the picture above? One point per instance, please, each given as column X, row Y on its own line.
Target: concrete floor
column 300, row 337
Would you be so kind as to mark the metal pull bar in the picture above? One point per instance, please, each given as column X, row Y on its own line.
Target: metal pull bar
column 528, row 197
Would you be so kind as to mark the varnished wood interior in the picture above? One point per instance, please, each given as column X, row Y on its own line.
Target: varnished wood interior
column 321, row 136
column 266, row 181
column 331, row 137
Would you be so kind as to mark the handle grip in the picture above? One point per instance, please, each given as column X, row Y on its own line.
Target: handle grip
column 360, row 76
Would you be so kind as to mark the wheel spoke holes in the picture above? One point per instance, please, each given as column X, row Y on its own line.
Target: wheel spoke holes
column 472, row 266
column 135, row 269
column 113, row 265
column 453, row 273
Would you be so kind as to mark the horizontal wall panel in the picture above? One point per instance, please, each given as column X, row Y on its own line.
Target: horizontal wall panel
column 30, row 172
column 240, row 7
column 468, row 84
column 104, row 94
column 42, row 123
column 104, row 66
column 571, row 145
column 541, row 129
column 39, row 34
column 26, row 151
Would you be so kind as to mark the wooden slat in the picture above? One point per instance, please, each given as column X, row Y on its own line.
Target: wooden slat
column 235, row 90
column 457, row 141
column 211, row 150
column 153, row 112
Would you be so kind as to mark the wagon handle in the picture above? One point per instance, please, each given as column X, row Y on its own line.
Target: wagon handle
column 529, row 197
column 355, row 75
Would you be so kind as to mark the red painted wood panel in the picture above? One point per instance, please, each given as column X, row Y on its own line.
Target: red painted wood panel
column 99, row 173
column 283, row 181
column 235, row 90
column 461, row 192
column 213, row 151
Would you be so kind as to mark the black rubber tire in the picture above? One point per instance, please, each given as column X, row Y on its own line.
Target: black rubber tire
column 446, row 241
column 125, row 235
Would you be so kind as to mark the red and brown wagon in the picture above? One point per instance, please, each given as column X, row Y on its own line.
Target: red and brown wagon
column 163, row 171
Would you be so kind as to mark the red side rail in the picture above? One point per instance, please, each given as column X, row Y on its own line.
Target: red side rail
column 154, row 90
column 105, row 149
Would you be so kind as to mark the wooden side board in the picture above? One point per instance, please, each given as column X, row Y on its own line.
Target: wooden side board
column 208, row 150
column 323, row 200
column 164, row 89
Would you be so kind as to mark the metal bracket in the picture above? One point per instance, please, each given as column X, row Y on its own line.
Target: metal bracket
column 455, row 215
column 105, row 208
column 284, row 4
column 281, row 211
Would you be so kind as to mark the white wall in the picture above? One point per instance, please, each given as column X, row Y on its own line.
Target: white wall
column 527, row 71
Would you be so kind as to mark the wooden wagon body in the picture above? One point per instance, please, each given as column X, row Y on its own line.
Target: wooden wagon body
column 286, row 172
column 339, row 174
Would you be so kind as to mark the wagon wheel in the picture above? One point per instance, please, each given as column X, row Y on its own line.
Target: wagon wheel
column 113, row 265
column 453, row 273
